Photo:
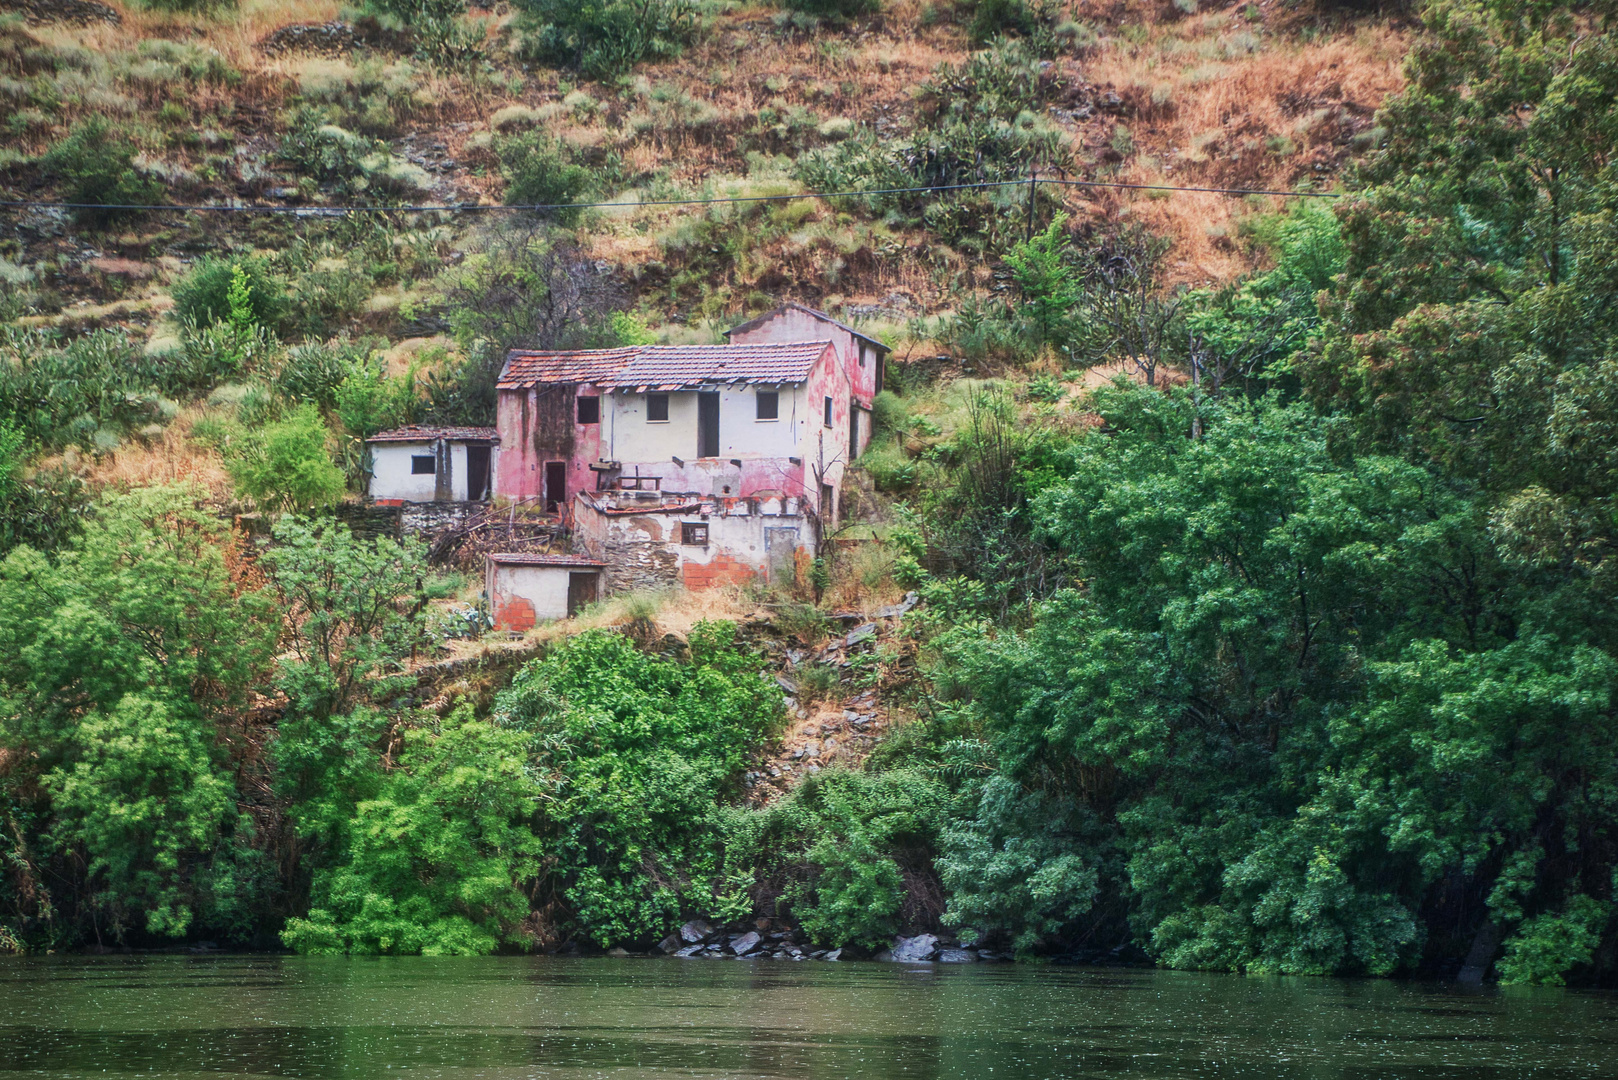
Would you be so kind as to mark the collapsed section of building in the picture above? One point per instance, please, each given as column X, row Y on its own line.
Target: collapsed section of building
column 671, row 464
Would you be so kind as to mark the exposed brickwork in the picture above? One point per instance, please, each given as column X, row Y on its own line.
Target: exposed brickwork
column 723, row 570
column 515, row 614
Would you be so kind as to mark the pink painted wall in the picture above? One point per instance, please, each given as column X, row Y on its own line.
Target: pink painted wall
column 542, row 426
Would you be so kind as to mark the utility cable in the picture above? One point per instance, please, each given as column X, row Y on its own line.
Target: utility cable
column 462, row 208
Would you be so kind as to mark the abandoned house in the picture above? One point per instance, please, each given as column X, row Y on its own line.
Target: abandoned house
column 526, row 589
column 433, row 464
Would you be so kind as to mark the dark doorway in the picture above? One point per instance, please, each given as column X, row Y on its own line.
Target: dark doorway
column 707, row 425
column 477, row 472
column 581, row 590
column 555, row 485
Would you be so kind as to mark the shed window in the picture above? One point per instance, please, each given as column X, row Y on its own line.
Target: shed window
column 589, row 410
column 657, row 408
column 423, row 465
column 828, row 412
column 769, row 405
column 694, row 533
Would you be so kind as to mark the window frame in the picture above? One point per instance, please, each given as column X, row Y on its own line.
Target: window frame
column 694, row 534
column 595, row 403
column 758, row 406
column 417, row 459
column 664, row 399
column 831, row 412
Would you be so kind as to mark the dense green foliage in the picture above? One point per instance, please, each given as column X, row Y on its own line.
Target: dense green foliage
column 605, row 38
column 1292, row 650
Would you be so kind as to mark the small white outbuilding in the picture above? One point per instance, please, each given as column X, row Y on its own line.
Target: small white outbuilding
column 527, row 588
column 421, row 464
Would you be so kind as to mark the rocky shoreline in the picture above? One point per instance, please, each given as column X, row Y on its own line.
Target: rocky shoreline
column 697, row 940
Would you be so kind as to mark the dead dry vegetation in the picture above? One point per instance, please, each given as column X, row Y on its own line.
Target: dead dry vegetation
column 1251, row 95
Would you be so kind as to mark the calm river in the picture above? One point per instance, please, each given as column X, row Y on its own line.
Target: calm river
column 415, row 1019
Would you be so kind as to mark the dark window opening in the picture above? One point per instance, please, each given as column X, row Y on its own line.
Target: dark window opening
column 423, row 465
column 657, row 408
column 828, row 412
column 589, row 410
column 769, row 405
column 694, row 534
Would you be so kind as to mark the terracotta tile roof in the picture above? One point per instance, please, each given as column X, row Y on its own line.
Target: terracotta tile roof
column 417, row 433
column 665, row 367
column 821, row 315
column 526, row 558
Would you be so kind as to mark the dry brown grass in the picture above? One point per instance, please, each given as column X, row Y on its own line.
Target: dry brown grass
column 167, row 459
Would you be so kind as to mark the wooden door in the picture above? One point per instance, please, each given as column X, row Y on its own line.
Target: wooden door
column 707, row 425
column 581, row 590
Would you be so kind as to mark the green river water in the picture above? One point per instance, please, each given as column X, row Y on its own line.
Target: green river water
column 495, row 1018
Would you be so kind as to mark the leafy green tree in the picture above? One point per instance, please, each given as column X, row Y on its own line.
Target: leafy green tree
column 434, row 860
column 636, row 755
column 354, row 610
column 120, row 661
column 285, row 465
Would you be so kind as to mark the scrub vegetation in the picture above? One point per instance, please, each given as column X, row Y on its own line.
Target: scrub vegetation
column 1260, row 545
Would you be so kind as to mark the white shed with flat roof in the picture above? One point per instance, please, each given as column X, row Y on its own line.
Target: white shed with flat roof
column 433, row 464
column 527, row 588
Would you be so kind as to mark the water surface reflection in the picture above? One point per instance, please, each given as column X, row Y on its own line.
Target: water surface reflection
column 500, row 1018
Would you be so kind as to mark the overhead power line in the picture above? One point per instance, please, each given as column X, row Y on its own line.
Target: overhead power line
column 464, row 208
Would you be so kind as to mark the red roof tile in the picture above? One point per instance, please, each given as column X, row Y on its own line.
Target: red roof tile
column 418, row 433
column 526, row 558
column 665, row 367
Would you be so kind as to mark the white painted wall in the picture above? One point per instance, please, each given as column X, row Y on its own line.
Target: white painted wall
column 544, row 587
column 629, row 437
column 391, row 477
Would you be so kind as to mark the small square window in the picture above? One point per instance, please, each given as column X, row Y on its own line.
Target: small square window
column 828, row 412
column 657, row 408
column 769, row 405
column 423, row 465
column 589, row 410
column 862, row 356
column 694, row 533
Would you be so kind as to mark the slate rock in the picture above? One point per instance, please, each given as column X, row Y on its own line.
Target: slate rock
column 695, row 930
column 883, row 956
column 744, row 944
column 689, row 950
column 618, row 953
column 918, row 949
column 669, row 944
column 957, row 956
column 835, row 954
column 862, row 632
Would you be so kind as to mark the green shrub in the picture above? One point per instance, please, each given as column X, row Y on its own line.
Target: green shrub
column 202, row 297
column 834, row 9
column 539, row 171
column 638, row 754
column 605, row 38
column 285, row 465
column 433, row 861
column 843, row 840
column 95, row 163
column 1545, row 948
